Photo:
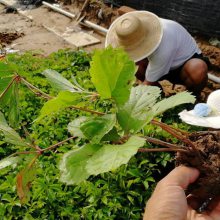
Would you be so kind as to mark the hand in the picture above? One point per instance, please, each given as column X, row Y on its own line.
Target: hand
column 169, row 202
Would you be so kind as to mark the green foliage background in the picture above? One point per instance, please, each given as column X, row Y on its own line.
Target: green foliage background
column 120, row 194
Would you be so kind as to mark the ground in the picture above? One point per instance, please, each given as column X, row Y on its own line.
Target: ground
column 44, row 30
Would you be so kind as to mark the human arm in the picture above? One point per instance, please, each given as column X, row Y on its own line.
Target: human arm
column 169, row 202
column 148, row 83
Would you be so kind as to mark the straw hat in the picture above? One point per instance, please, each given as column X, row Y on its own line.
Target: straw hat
column 138, row 32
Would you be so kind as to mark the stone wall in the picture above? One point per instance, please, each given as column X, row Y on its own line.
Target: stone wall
column 198, row 16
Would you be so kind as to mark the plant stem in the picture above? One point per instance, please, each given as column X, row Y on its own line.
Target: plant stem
column 40, row 150
column 57, row 144
column 155, row 122
column 88, row 110
column 33, row 88
column 24, row 152
column 179, row 136
column 147, row 150
column 33, row 161
column 163, row 143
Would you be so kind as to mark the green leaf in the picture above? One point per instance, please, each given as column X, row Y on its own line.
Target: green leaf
column 58, row 82
column 112, row 73
column 136, row 111
column 95, row 128
column 178, row 99
column 111, row 135
column 73, row 164
column 11, row 136
column 110, row 157
column 14, row 106
column 8, row 161
column 5, row 69
column 4, row 82
column 74, row 126
column 63, row 100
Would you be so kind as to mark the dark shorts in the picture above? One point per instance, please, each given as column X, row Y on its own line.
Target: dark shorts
column 174, row 75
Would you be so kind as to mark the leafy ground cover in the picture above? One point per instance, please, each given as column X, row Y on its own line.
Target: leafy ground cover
column 119, row 194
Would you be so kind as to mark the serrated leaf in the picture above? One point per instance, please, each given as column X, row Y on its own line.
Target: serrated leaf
column 11, row 136
column 63, row 100
column 13, row 114
column 178, row 99
column 8, row 161
column 74, row 126
column 95, row 128
column 112, row 73
column 6, row 69
column 136, row 111
column 58, row 82
column 110, row 157
column 73, row 164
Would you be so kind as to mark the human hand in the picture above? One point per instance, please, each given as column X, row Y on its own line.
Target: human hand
column 169, row 202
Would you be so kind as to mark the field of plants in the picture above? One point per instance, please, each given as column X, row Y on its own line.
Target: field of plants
column 76, row 136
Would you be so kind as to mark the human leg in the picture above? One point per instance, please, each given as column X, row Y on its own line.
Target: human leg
column 194, row 75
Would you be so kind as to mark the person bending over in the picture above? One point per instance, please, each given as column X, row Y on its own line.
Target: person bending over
column 162, row 48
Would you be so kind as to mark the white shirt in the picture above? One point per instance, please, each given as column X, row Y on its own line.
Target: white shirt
column 176, row 47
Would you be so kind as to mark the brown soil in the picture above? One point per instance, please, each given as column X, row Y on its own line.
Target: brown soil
column 95, row 11
column 7, row 38
column 208, row 184
column 20, row 33
column 212, row 52
column 103, row 15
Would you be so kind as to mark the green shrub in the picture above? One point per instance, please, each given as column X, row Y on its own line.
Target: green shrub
column 120, row 194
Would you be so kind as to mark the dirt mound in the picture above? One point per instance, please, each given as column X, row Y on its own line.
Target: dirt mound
column 7, row 38
column 100, row 13
column 212, row 52
column 208, row 145
column 95, row 11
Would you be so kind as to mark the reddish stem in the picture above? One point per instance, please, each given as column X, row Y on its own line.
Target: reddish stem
column 57, row 144
column 147, row 150
column 174, row 129
column 33, row 88
column 87, row 110
column 163, row 143
column 176, row 133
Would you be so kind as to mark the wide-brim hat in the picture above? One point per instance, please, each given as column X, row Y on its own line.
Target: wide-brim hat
column 138, row 32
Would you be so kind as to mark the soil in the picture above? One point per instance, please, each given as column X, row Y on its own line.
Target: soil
column 8, row 38
column 208, row 144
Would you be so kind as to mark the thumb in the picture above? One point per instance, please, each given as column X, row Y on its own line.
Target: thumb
column 181, row 176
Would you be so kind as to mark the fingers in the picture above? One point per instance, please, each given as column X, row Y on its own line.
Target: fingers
column 181, row 176
column 169, row 200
